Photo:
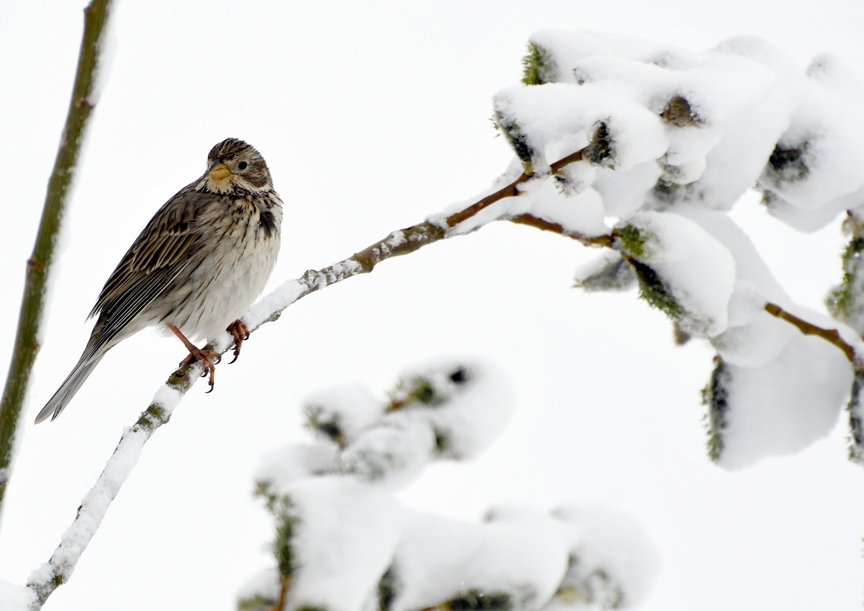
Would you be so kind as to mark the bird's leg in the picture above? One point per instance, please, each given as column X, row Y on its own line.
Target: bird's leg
column 240, row 332
column 199, row 354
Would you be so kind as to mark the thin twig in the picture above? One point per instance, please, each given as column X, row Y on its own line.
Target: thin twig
column 830, row 335
column 512, row 189
column 284, row 584
column 38, row 266
column 544, row 225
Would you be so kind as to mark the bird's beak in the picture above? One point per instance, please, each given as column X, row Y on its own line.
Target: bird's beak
column 219, row 170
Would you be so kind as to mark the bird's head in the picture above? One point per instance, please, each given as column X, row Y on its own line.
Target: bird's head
column 234, row 166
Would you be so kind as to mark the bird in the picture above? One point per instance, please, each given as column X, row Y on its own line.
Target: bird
column 197, row 266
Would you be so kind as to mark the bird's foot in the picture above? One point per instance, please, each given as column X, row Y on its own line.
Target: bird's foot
column 240, row 332
column 208, row 360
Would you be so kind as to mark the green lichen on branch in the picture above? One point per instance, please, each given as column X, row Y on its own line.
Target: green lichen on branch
column 538, row 66
column 655, row 291
column 632, row 240
column 516, row 138
column 256, row 603
column 845, row 301
column 153, row 417
column 855, row 407
column 443, row 442
column 601, row 149
column 325, row 423
column 388, row 589
column 715, row 396
column 415, row 390
column 652, row 288
column 287, row 521
column 264, row 491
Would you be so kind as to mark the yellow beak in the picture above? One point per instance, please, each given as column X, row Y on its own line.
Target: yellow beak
column 219, row 171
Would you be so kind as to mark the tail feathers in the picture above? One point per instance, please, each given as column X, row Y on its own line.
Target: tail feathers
column 70, row 386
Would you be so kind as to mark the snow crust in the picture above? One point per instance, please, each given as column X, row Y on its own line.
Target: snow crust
column 350, row 407
column 14, row 597
column 275, row 301
column 612, row 559
column 698, row 269
column 350, row 544
column 440, row 559
column 782, row 407
column 282, row 467
column 745, row 97
column 671, row 140
column 443, row 409
column 346, row 534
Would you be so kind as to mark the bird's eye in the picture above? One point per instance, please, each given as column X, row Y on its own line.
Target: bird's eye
column 242, row 165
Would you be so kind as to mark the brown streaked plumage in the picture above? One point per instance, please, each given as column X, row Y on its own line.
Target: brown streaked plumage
column 196, row 267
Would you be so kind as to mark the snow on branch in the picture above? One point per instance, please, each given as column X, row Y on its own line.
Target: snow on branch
column 57, row 571
column 643, row 148
column 678, row 137
column 343, row 543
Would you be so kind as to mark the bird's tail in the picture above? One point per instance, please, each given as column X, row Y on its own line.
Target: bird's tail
column 70, row 386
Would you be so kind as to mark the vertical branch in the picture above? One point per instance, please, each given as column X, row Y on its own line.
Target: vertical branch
column 39, row 264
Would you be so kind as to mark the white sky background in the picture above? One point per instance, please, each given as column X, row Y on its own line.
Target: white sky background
column 371, row 116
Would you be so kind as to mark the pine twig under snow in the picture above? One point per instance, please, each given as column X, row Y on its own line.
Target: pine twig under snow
column 84, row 96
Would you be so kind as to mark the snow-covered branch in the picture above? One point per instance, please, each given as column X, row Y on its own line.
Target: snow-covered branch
column 344, row 543
column 75, row 540
column 652, row 146
column 59, row 568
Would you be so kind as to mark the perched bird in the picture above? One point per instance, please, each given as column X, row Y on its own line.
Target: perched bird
column 198, row 265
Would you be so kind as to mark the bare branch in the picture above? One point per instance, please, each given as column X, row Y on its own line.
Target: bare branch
column 38, row 266
column 830, row 335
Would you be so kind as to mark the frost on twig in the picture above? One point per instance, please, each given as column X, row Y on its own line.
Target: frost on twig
column 343, row 542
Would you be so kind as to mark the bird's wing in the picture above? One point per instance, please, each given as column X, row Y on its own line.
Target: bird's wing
column 164, row 248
